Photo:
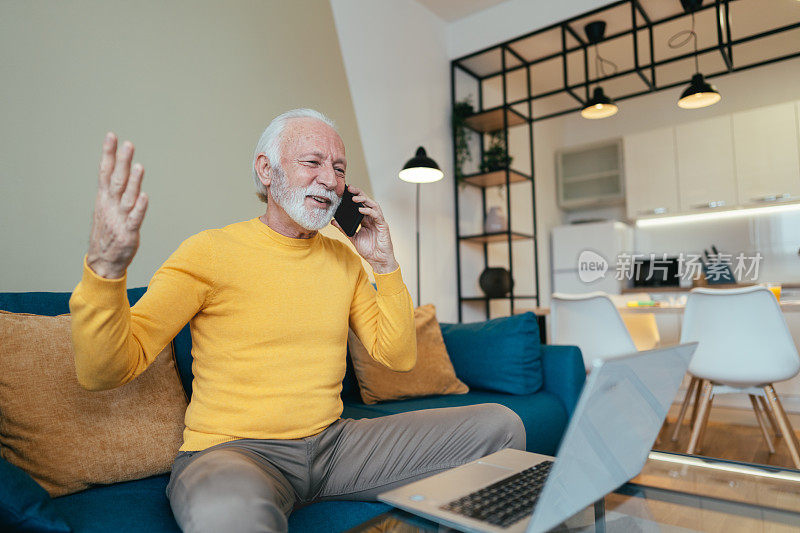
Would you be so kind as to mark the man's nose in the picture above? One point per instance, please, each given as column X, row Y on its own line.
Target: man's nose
column 327, row 177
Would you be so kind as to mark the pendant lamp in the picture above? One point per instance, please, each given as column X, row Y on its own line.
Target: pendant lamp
column 699, row 93
column 599, row 105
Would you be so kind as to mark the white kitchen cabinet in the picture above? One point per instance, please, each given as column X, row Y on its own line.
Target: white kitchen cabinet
column 706, row 173
column 651, row 177
column 766, row 149
column 590, row 175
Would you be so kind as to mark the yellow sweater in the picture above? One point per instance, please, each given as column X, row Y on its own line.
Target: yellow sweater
column 269, row 317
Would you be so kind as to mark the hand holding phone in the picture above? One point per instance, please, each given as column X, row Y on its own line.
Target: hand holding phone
column 347, row 214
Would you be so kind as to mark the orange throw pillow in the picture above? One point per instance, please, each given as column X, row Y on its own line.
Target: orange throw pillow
column 68, row 438
column 433, row 373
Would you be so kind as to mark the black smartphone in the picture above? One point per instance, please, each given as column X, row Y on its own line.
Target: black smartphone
column 347, row 215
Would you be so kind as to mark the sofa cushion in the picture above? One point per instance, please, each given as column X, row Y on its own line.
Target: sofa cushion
column 432, row 374
column 57, row 303
column 356, row 409
column 24, row 505
column 543, row 414
column 182, row 344
column 350, row 382
column 141, row 506
column 68, row 438
column 502, row 354
column 334, row 516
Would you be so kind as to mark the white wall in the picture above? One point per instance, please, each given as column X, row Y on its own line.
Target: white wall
column 193, row 84
column 398, row 71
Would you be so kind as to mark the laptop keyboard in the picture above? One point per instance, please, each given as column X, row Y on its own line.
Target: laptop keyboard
column 505, row 502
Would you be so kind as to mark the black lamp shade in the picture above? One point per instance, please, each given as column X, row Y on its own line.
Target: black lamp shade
column 421, row 169
column 599, row 106
column 421, row 159
column 595, row 31
column 699, row 94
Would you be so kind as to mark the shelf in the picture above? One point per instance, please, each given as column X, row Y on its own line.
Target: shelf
column 492, row 179
column 492, row 120
column 500, row 236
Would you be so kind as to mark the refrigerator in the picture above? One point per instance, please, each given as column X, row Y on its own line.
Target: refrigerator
column 585, row 257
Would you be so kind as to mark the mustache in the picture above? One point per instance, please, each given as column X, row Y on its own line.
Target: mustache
column 321, row 192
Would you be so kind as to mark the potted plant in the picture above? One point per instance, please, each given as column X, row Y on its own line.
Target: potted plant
column 461, row 110
column 496, row 157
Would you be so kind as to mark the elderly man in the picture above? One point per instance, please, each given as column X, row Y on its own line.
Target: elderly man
column 270, row 301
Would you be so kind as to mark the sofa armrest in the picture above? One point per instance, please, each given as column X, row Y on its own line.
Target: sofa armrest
column 564, row 373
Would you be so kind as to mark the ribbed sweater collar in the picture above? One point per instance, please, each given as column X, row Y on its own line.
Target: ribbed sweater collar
column 283, row 239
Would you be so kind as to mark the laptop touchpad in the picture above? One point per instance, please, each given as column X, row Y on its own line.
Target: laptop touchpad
column 478, row 474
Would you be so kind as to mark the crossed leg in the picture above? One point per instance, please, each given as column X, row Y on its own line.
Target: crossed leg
column 358, row 459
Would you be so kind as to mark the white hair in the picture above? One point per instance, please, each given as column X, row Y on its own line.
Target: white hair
column 270, row 142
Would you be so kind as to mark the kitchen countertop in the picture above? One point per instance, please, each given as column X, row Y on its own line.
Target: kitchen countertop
column 687, row 289
column 787, row 306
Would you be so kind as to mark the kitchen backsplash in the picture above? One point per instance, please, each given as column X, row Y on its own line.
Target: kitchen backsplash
column 776, row 236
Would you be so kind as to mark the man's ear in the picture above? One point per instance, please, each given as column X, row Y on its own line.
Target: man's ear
column 263, row 169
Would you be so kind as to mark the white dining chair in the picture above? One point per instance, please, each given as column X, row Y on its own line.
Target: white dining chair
column 744, row 347
column 591, row 322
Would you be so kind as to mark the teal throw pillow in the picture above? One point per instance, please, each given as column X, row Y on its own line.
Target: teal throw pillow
column 24, row 505
column 502, row 354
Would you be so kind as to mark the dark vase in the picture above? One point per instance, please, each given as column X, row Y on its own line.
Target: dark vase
column 496, row 282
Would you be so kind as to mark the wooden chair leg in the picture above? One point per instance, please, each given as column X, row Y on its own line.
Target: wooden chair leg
column 702, row 411
column 702, row 437
column 761, row 423
column 768, row 411
column 697, row 392
column 786, row 426
column 693, row 384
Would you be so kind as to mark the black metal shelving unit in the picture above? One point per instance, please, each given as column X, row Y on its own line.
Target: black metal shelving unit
column 486, row 121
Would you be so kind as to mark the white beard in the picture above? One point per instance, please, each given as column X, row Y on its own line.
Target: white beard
column 292, row 200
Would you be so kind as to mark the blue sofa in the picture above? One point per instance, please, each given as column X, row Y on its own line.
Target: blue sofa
column 141, row 505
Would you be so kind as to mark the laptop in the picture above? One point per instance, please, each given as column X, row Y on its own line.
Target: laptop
column 616, row 421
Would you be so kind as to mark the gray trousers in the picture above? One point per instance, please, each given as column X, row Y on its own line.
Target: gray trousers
column 253, row 484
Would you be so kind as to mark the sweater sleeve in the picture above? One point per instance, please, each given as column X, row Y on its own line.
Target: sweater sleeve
column 113, row 342
column 384, row 320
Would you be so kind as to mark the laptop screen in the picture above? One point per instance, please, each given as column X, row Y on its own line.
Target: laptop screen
column 618, row 417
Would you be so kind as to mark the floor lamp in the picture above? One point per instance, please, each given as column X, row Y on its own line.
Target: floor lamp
column 420, row 169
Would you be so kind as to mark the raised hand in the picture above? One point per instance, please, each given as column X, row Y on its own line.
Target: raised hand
column 372, row 240
column 118, row 211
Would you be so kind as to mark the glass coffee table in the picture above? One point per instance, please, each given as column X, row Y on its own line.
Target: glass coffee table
column 674, row 492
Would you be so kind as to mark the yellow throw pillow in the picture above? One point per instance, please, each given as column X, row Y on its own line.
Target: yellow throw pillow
column 68, row 438
column 433, row 373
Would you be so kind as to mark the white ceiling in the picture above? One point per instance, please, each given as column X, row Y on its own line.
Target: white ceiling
column 450, row 10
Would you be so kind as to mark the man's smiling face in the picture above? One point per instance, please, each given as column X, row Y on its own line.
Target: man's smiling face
column 310, row 181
